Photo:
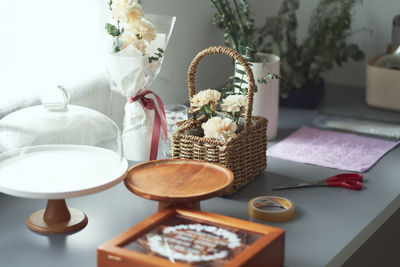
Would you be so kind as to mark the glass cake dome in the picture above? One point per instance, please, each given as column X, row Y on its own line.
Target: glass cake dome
column 56, row 122
column 56, row 150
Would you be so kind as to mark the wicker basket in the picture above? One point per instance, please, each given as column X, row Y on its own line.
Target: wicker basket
column 244, row 154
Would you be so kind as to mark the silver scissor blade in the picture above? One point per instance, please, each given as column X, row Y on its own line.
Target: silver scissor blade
column 298, row 186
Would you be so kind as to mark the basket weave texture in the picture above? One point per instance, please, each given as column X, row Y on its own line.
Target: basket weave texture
column 245, row 153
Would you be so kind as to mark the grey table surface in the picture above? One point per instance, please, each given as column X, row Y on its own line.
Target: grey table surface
column 329, row 225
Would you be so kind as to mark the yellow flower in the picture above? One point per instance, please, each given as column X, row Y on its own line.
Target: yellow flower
column 221, row 129
column 203, row 98
column 234, row 103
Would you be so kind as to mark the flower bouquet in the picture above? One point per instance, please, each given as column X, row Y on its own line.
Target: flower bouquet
column 226, row 133
column 223, row 115
column 138, row 45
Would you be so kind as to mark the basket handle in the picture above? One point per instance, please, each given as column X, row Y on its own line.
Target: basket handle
column 236, row 56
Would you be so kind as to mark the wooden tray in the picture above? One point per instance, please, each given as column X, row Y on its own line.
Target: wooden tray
column 178, row 182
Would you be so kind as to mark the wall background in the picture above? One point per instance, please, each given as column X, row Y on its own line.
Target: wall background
column 45, row 42
column 194, row 32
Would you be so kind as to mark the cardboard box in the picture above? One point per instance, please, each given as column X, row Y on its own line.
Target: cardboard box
column 175, row 237
column 382, row 86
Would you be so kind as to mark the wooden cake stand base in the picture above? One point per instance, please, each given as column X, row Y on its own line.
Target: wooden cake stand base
column 178, row 183
column 185, row 205
column 57, row 218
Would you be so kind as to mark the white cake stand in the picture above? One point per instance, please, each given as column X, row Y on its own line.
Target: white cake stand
column 56, row 172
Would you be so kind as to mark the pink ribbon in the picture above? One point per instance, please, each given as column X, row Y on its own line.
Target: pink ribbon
column 159, row 119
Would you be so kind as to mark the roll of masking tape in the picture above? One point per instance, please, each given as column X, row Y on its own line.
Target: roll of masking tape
column 271, row 208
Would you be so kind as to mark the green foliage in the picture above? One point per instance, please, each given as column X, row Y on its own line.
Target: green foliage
column 113, row 30
column 233, row 17
column 324, row 46
column 157, row 55
column 208, row 111
column 271, row 76
column 138, row 36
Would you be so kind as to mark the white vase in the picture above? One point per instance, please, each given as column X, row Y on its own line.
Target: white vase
column 266, row 100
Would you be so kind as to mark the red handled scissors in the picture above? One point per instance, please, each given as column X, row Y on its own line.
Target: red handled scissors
column 347, row 180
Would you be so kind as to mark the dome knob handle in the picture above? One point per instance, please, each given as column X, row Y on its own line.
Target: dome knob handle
column 56, row 100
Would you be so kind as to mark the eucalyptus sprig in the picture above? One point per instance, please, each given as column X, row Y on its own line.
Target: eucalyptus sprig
column 239, row 85
column 270, row 76
column 157, row 55
column 114, row 31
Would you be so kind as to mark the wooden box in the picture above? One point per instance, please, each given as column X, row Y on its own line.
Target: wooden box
column 175, row 237
column 382, row 86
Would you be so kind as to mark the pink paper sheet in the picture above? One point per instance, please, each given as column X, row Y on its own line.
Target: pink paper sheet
column 331, row 149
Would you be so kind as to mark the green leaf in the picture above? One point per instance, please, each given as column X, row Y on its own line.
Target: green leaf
column 112, row 30
column 239, row 71
column 274, row 48
column 151, row 59
column 238, row 80
column 116, row 49
column 207, row 110
column 273, row 76
column 359, row 56
column 262, row 80
column 298, row 80
column 351, row 50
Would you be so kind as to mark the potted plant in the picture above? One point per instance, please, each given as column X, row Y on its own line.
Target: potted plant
column 301, row 64
column 325, row 45
column 233, row 16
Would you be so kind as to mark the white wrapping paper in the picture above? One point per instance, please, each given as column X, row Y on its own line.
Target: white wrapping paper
column 131, row 74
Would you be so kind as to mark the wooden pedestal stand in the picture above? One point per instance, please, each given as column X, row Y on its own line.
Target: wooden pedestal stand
column 57, row 218
column 179, row 183
column 34, row 168
column 184, row 205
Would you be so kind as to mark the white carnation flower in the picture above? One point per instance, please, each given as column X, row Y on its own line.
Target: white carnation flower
column 134, row 10
column 138, row 28
column 126, row 10
column 143, row 27
column 118, row 10
column 218, row 128
column 234, row 103
column 205, row 97
column 129, row 38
